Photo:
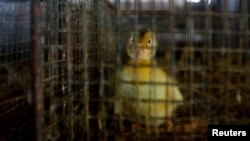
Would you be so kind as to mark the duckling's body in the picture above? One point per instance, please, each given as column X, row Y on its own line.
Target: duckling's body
column 147, row 93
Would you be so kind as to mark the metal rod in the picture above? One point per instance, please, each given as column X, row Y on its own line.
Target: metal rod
column 69, row 69
column 36, row 66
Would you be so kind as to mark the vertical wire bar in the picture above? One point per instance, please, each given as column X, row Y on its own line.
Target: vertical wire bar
column 172, row 64
column 102, row 100
column 85, row 64
column 50, row 31
column 36, row 65
column 208, row 46
column 247, row 35
column 96, row 77
column 171, row 29
column 69, row 70
column 246, row 42
column 243, row 44
column 136, row 13
column 226, row 53
column 119, row 58
column 135, row 70
column 190, row 24
column 231, row 39
column 239, row 50
column 152, row 82
column 172, row 36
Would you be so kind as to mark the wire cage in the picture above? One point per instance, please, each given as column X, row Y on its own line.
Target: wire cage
column 62, row 60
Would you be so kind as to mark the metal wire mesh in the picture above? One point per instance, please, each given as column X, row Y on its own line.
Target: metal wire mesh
column 15, row 112
column 75, row 67
column 82, row 43
column 71, row 69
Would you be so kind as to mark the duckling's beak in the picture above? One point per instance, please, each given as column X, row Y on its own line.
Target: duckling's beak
column 140, row 51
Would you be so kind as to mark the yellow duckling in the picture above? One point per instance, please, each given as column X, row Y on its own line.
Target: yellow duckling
column 146, row 93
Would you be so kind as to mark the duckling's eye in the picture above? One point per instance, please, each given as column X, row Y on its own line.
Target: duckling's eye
column 149, row 41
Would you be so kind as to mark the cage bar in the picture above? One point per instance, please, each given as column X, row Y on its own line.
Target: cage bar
column 36, row 63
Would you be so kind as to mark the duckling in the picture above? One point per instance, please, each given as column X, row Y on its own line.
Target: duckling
column 146, row 93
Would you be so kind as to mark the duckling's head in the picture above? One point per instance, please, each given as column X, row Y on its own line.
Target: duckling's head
column 142, row 44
